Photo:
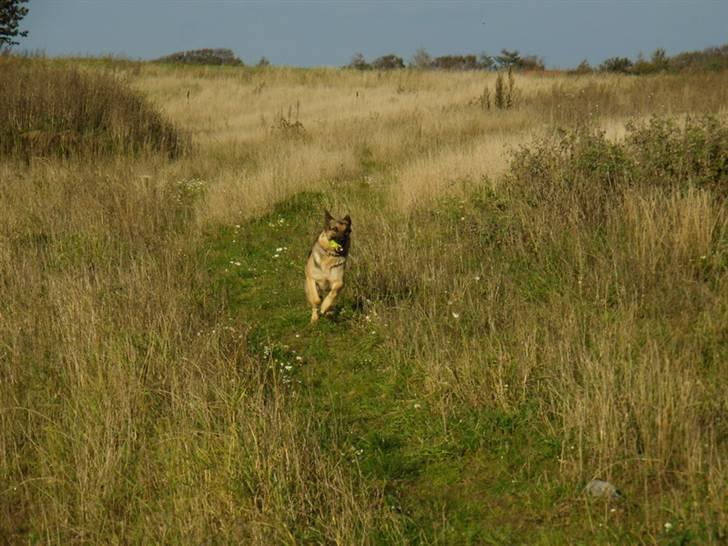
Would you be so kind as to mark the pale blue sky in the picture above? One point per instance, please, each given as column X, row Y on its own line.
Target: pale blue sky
column 314, row 33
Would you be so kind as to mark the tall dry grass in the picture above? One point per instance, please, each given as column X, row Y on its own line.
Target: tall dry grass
column 428, row 127
column 589, row 284
column 588, row 287
column 130, row 410
column 47, row 109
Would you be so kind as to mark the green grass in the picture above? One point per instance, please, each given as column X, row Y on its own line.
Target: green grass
column 479, row 476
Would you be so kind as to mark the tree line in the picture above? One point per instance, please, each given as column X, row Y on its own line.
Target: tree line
column 508, row 59
column 712, row 58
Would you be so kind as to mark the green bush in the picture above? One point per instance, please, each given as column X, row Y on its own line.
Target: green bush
column 586, row 166
column 696, row 153
column 204, row 56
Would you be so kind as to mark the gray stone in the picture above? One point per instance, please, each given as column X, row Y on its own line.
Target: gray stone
column 600, row 488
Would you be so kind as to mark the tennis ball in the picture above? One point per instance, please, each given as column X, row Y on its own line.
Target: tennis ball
column 334, row 245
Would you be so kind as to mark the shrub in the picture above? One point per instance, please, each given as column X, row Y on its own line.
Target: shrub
column 47, row 109
column 388, row 62
column 456, row 62
column 665, row 153
column 217, row 56
column 358, row 62
column 616, row 64
column 581, row 171
column 712, row 58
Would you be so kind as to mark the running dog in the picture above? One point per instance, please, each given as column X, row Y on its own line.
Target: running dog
column 326, row 263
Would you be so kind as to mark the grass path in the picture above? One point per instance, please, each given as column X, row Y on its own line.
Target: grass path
column 478, row 478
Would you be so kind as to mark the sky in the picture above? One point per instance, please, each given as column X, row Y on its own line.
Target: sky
column 328, row 33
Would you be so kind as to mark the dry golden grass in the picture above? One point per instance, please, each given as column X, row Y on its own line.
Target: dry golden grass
column 130, row 409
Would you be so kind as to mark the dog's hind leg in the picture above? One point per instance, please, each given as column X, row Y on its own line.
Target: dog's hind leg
column 313, row 298
column 331, row 296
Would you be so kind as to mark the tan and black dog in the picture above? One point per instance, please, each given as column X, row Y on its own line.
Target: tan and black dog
column 326, row 263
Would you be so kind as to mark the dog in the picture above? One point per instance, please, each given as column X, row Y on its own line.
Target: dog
column 326, row 264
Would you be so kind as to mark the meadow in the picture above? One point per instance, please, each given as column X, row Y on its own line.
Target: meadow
column 537, row 297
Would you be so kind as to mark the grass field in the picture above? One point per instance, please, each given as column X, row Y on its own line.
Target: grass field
column 537, row 297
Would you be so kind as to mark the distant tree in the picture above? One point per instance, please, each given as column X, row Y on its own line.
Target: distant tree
column 263, row 62
column 512, row 59
column 530, row 62
column 712, row 58
column 584, row 68
column 218, row 56
column 359, row 62
column 509, row 58
column 486, row 62
column 421, row 59
column 659, row 59
column 658, row 62
column 456, row 62
column 616, row 64
column 388, row 62
column 11, row 12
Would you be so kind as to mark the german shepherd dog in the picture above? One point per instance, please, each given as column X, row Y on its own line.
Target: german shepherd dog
column 326, row 263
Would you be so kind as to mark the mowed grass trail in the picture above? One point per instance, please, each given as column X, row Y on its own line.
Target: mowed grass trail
column 482, row 477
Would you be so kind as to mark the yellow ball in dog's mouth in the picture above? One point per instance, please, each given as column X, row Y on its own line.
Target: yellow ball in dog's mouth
column 333, row 245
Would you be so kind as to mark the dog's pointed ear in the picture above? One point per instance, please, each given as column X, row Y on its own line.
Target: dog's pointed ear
column 327, row 217
column 347, row 219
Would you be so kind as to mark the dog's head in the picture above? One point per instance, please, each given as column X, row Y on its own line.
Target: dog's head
column 337, row 230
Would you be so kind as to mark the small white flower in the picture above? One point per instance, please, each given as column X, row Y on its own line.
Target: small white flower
column 477, row 278
column 299, row 359
column 418, row 406
column 668, row 526
column 455, row 315
column 276, row 255
column 279, row 249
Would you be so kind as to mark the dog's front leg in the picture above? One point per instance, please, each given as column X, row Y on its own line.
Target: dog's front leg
column 313, row 298
column 331, row 296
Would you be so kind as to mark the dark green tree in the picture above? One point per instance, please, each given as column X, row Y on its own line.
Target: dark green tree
column 616, row 64
column 486, row 62
column 359, row 62
column 11, row 12
column 508, row 59
column 388, row 62
column 660, row 60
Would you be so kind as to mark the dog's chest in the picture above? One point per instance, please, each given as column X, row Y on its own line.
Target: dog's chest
column 326, row 267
